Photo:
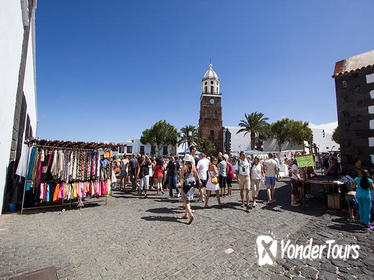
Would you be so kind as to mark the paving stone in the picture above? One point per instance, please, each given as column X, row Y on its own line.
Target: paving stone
column 134, row 238
column 308, row 272
column 324, row 275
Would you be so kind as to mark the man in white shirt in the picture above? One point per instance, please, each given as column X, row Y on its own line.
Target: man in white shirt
column 271, row 171
column 193, row 155
column 244, row 178
column 202, row 169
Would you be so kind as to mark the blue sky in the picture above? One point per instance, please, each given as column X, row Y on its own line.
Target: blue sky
column 106, row 72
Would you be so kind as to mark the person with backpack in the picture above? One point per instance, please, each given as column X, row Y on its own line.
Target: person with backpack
column 190, row 181
column 363, row 185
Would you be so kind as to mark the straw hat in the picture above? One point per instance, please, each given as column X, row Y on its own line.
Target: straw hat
column 187, row 157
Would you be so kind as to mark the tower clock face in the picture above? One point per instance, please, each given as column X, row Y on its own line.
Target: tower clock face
column 211, row 101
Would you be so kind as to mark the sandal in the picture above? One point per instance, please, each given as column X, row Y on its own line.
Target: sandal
column 191, row 219
column 184, row 217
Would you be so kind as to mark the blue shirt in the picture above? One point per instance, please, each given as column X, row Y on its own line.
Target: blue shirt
column 360, row 192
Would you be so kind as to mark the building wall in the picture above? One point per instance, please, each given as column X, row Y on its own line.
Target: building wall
column 12, row 75
column 355, row 103
column 136, row 147
column 324, row 142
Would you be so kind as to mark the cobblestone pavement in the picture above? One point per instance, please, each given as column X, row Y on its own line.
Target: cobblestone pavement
column 133, row 238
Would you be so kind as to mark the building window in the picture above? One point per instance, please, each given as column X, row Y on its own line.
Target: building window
column 153, row 150
column 211, row 82
column 206, row 90
column 129, row 149
column 206, row 83
column 165, row 150
column 121, row 149
column 212, row 133
column 212, row 89
column 207, row 115
column 215, row 115
column 142, row 150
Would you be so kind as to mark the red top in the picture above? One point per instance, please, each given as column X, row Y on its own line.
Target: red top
column 231, row 174
column 158, row 171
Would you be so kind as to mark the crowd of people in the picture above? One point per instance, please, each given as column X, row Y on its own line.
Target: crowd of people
column 209, row 175
column 182, row 175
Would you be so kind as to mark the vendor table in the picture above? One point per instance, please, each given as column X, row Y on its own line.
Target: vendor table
column 331, row 184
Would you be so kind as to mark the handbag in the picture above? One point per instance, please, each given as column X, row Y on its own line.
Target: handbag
column 214, row 180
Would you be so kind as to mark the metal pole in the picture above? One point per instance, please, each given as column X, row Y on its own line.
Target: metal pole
column 24, row 185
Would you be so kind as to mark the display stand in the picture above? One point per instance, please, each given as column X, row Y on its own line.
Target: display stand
column 64, row 145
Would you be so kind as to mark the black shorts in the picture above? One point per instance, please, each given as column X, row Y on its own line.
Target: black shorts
column 295, row 186
column 203, row 183
column 228, row 180
column 351, row 201
column 222, row 181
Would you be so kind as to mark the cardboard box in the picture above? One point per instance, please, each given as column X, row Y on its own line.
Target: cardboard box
column 334, row 201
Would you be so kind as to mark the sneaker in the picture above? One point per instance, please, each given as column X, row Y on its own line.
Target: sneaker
column 249, row 206
column 178, row 195
column 308, row 196
column 242, row 205
column 254, row 204
column 295, row 204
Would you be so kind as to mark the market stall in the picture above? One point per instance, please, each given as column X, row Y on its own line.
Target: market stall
column 333, row 185
column 63, row 172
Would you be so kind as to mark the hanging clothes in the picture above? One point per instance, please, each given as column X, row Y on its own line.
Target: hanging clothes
column 56, row 193
column 34, row 174
column 30, row 167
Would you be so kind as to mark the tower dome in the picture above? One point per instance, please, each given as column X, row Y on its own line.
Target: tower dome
column 210, row 82
column 210, row 74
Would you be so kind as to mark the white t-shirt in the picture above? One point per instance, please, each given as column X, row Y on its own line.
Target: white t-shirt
column 244, row 167
column 256, row 171
column 234, row 166
column 294, row 168
column 193, row 160
column 270, row 166
column 202, row 168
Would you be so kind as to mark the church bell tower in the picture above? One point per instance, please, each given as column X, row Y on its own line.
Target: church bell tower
column 210, row 122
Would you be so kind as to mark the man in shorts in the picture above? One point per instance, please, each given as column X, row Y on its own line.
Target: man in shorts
column 244, row 179
column 202, row 169
column 271, row 172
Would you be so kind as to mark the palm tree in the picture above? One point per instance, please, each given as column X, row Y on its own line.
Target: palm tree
column 188, row 134
column 253, row 123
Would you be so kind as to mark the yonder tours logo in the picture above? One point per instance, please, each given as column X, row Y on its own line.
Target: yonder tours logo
column 267, row 248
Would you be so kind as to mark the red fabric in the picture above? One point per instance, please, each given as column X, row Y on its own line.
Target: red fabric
column 231, row 174
column 158, row 171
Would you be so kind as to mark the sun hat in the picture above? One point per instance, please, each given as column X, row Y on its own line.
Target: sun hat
column 187, row 157
column 226, row 156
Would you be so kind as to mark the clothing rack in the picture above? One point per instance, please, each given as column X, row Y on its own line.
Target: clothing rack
column 54, row 147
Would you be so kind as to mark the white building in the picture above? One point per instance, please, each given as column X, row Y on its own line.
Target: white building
column 240, row 142
column 17, row 88
column 136, row 147
column 323, row 141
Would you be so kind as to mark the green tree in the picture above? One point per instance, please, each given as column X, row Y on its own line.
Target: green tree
column 160, row 134
column 188, row 134
column 287, row 130
column 336, row 136
column 254, row 123
column 204, row 145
